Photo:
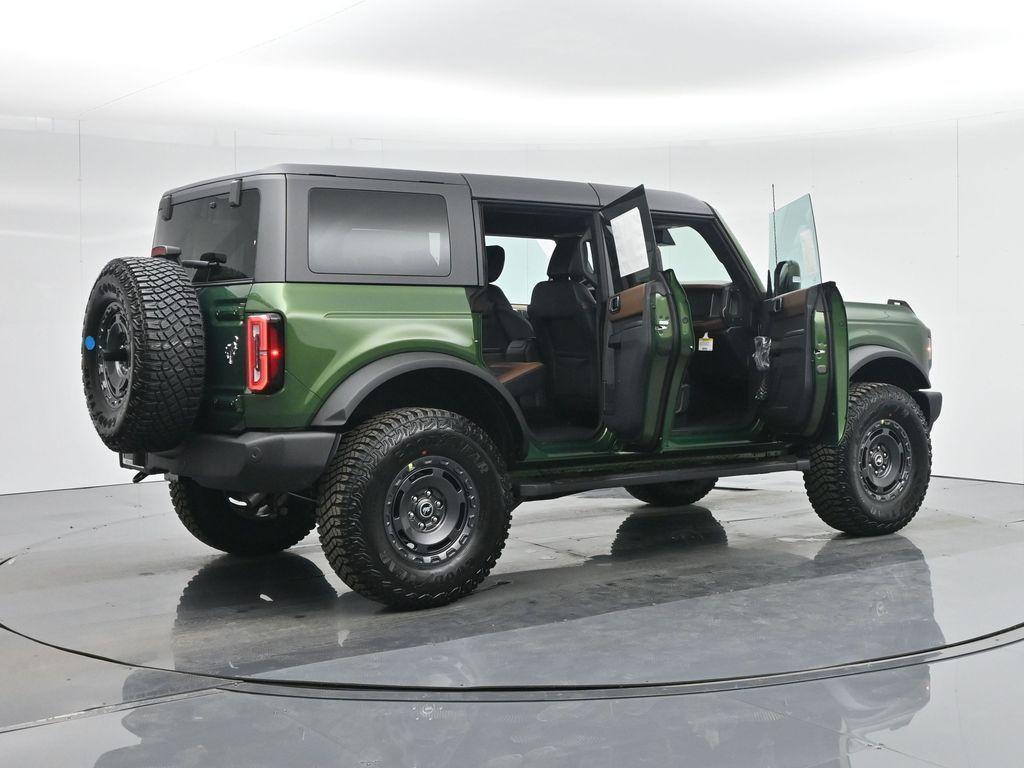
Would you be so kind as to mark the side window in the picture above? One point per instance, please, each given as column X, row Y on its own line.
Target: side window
column 627, row 251
column 526, row 264
column 685, row 251
column 362, row 232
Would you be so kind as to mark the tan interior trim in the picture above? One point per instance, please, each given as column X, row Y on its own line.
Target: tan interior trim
column 714, row 324
column 631, row 302
column 506, row 372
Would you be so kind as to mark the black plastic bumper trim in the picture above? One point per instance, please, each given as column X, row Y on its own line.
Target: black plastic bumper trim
column 271, row 462
column 930, row 402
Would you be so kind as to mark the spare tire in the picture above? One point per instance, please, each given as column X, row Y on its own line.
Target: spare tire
column 143, row 354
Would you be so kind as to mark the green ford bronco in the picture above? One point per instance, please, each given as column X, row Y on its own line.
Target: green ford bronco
column 401, row 357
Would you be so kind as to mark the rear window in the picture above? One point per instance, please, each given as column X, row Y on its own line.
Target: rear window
column 361, row 232
column 213, row 225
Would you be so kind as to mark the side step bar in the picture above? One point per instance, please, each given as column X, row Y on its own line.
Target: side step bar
column 544, row 489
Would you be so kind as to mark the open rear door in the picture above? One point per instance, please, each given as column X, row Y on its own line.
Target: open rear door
column 647, row 331
column 804, row 351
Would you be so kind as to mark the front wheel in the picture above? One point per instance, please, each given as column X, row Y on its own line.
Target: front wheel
column 415, row 508
column 875, row 480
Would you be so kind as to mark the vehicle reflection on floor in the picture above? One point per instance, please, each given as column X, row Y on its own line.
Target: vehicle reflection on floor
column 242, row 617
column 276, row 615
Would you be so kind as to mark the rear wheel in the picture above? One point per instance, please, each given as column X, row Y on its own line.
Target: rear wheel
column 679, row 494
column 875, row 480
column 415, row 508
column 239, row 526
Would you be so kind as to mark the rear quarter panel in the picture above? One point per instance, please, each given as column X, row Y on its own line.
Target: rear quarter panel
column 333, row 329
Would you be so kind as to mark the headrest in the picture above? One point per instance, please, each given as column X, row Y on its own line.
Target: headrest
column 494, row 261
column 567, row 261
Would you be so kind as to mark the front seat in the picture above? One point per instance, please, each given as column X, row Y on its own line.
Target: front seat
column 507, row 335
column 564, row 315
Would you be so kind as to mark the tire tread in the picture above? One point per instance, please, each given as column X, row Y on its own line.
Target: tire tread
column 345, row 484
column 829, row 482
column 168, row 359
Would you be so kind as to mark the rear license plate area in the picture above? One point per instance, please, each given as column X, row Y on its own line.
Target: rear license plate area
column 136, row 461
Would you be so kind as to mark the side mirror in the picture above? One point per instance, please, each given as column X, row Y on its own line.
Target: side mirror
column 787, row 277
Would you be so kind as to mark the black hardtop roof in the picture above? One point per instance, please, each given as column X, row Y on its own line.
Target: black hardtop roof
column 486, row 187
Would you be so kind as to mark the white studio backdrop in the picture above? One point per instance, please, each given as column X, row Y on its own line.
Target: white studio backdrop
column 928, row 213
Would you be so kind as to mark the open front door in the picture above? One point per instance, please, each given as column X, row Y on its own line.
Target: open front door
column 803, row 353
column 647, row 331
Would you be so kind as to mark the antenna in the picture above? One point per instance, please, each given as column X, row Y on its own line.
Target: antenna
column 775, row 242
column 775, row 245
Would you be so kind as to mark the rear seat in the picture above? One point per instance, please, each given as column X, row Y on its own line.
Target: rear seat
column 507, row 334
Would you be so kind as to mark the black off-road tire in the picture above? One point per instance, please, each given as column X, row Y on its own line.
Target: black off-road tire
column 367, row 493
column 212, row 518
column 837, row 483
column 149, row 311
column 678, row 494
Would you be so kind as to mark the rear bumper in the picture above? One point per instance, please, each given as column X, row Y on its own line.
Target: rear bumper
column 930, row 402
column 272, row 462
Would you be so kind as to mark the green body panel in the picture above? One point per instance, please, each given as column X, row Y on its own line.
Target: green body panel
column 840, row 359
column 888, row 325
column 334, row 329
column 661, row 362
column 832, row 365
column 684, row 351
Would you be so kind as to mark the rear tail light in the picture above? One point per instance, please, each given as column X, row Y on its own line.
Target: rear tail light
column 264, row 353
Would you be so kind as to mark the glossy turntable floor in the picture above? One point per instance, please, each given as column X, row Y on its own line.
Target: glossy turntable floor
column 738, row 632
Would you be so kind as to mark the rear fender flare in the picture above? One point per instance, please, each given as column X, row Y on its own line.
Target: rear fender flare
column 339, row 406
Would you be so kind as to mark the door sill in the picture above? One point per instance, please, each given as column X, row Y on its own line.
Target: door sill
column 541, row 488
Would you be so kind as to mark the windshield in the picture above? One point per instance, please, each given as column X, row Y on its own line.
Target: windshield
column 211, row 225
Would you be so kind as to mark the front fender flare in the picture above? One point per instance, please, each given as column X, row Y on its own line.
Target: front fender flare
column 868, row 353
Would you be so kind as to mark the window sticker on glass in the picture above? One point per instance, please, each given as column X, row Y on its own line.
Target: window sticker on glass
column 630, row 245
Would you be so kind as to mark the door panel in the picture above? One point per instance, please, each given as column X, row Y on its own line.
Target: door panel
column 641, row 326
column 806, row 376
column 679, row 391
column 628, row 303
column 632, row 249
